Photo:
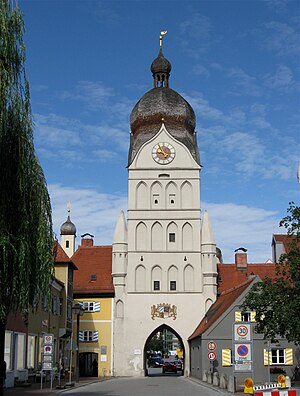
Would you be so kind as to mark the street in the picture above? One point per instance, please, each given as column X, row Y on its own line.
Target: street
column 168, row 385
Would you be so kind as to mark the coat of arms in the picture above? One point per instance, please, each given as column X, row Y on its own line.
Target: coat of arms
column 163, row 311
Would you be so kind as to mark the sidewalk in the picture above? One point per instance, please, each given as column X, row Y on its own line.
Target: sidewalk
column 35, row 389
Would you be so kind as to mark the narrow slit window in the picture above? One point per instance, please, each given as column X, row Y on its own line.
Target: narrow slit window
column 172, row 237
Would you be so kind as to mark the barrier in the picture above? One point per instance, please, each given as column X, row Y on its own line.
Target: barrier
column 285, row 392
column 270, row 385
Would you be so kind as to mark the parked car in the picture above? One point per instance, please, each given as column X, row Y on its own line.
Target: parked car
column 155, row 362
column 169, row 367
column 178, row 364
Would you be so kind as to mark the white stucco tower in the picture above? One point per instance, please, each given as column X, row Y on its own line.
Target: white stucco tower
column 164, row 265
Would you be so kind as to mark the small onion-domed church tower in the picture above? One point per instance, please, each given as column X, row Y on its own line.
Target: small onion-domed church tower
column 164, row 259
column 68, row 235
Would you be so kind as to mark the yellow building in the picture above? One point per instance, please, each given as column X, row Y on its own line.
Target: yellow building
column 93, row 289
column 54, row 318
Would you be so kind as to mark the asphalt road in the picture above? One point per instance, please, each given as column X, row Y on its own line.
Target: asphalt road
column 168, row 385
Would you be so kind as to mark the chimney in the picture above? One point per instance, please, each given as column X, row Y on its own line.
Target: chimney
column 87, row 240
column 241, row 260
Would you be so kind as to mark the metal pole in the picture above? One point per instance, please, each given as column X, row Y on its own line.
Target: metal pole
column 71, row 349
column 269, row 349
column 77, row 350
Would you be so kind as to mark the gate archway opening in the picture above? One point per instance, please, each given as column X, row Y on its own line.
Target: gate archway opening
column 163, row 345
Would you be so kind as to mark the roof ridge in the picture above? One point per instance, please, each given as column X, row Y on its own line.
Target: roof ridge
column 249, row 280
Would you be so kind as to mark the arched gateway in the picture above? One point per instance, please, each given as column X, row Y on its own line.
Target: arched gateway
column 164, row 257
column 161, row 329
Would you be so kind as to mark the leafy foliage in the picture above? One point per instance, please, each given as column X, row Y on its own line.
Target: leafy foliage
column 26, row 258
column 277, row 301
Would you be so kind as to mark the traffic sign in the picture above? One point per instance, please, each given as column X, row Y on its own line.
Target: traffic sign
column 242, row 350
column 211, row 345
column 242, row 332
column 211, row 356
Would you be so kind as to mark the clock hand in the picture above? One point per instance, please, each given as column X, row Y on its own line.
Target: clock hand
column 160, row 150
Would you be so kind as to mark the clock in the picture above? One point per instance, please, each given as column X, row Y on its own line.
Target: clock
column 163, row 153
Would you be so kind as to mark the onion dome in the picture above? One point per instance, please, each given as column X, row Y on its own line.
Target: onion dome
column 68, row 228
column 162, row 104
column 161, row 68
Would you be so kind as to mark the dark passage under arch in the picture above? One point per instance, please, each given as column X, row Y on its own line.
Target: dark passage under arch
column 161, row 329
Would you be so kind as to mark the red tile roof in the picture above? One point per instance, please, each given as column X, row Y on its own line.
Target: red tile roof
column 225, row 300
column 285, row 240
column 96, row 261
column 61, row 256
column 231, row 277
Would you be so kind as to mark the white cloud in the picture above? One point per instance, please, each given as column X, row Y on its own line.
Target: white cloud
column 282, row 80
column 93, row 93
column 281, row 38
column 200, row 70
column 92, row 212
column 243, row 226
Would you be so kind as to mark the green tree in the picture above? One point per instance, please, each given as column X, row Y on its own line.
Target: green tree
column 277, row 301
column 26, row 256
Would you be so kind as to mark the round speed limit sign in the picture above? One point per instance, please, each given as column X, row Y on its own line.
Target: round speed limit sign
column 242, row 330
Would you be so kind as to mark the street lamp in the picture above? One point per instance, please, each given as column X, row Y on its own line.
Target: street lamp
column 78, row 311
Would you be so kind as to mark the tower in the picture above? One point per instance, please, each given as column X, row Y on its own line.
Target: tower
column 68, row 235
column 164, row 266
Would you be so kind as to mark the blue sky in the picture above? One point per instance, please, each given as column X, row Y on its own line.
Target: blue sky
column 236, row 62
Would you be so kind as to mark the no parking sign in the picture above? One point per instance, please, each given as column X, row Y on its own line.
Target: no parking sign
column 242, row 352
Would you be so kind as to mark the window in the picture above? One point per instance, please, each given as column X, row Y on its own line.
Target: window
column 155, row 198
column 156, row 285
column 61, row 302
column 67, row 244
column 172, row 285
column 8, row 349
column 171, row 199
column 277, row 356
column 246, row 317
column 172, row 237
column 91, row 306
column 88, row 336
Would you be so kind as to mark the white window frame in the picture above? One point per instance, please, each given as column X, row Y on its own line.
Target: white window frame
column 278, row 356
column 91, row 306
column 88, row 335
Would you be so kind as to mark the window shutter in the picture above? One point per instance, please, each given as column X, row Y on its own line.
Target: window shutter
column 253, row 314
column 81, row 338
column 96, row 307
column 226, row 357
column 95, row 335
column 266, row 357
column 238, row 316
column 288, row 356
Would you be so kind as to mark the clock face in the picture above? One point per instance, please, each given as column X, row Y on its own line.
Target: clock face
column 163, row 153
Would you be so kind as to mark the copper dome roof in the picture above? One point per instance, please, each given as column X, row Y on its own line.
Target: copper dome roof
column 68, row 228
column 162, row 104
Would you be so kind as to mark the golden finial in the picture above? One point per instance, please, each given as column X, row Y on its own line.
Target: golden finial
column 69, row 207
column 161, row 37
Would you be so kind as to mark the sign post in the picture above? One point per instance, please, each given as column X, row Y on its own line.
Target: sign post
column 47, row 355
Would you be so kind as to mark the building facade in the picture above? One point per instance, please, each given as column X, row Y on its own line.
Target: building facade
column 164, row 256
